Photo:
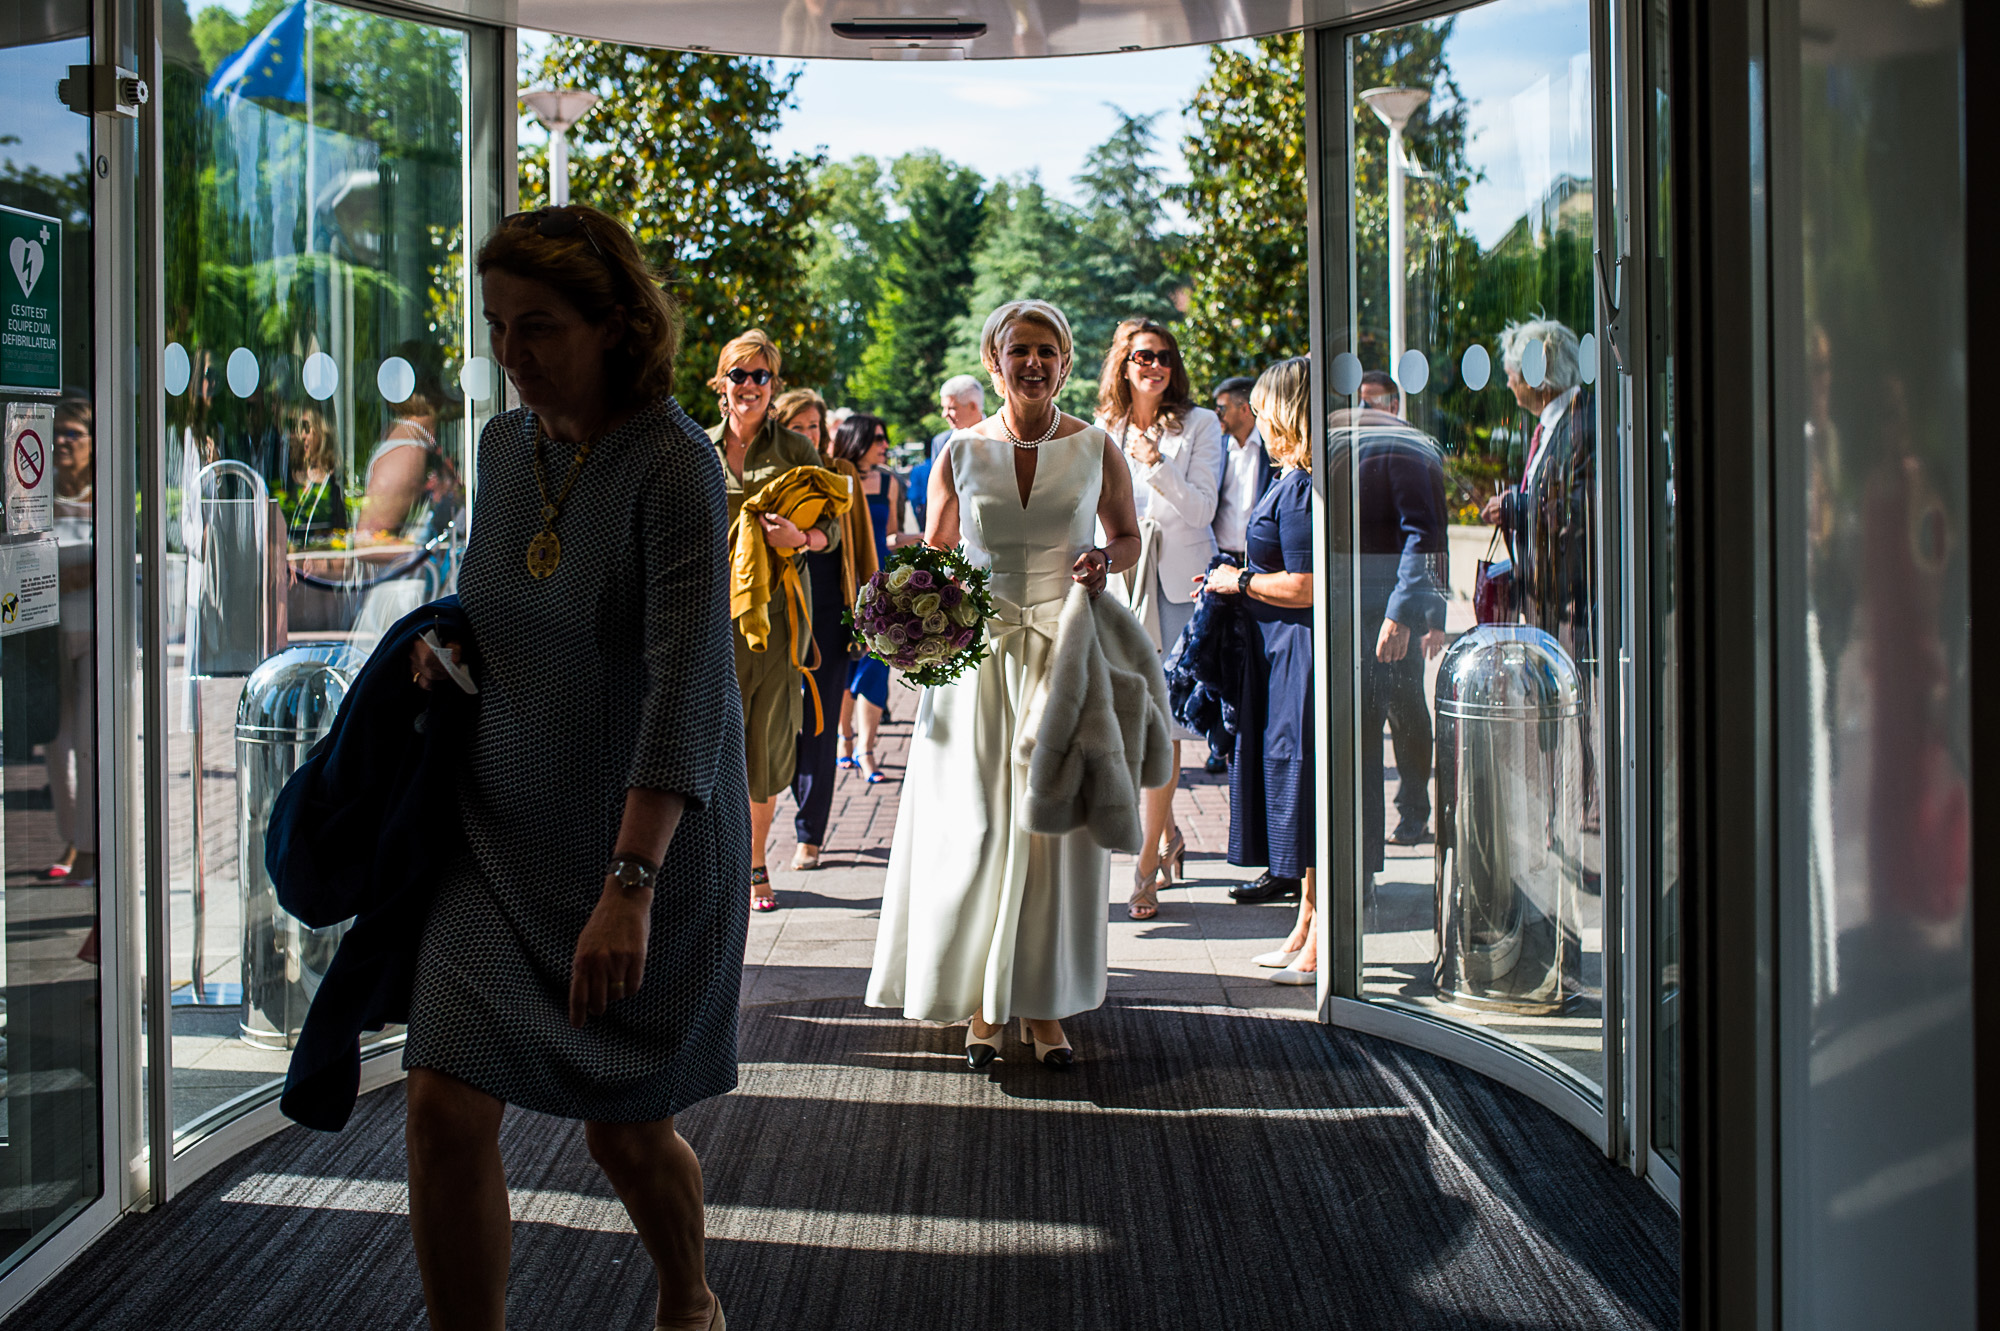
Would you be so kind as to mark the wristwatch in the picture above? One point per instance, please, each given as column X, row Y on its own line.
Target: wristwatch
column 631, row 873
column 1243, row 582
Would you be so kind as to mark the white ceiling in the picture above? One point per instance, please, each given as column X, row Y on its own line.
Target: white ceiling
column 1015, row 28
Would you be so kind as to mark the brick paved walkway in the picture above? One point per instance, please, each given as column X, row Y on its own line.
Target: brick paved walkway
column 1197, row 950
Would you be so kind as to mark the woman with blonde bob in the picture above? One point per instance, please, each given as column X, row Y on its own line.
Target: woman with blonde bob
column 981, row 920
column 1271, row 820
column 1175, row 453
column 754, row 450
column 583, row 957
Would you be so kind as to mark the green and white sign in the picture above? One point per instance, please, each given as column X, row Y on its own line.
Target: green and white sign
column 30, row 302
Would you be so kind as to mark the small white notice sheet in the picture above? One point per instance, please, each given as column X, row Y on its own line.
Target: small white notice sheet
column 29, row 595
column 30, row 468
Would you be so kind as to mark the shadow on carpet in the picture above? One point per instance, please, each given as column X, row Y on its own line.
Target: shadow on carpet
column 1203, row 1167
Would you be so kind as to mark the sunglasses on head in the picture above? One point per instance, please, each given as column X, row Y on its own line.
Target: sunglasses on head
column 739, row 375
column 555, row 224
column 1150, row 358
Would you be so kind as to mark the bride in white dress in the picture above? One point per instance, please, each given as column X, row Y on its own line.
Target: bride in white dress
column 980, row 919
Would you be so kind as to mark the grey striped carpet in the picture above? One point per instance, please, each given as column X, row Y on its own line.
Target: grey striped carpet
column 1203, row 1168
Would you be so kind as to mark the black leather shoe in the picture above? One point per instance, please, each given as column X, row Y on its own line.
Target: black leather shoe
column 1216, row 764
column 1410, row 834
column 1267, row 888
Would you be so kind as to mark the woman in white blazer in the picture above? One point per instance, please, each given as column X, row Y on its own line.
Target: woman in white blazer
column 1174, row 449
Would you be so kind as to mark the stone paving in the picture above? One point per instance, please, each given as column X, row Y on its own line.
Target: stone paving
column 1197, row 950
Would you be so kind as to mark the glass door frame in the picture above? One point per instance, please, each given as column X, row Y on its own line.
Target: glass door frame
column 491, row 106
column 123, row 33
column 1617, row 1124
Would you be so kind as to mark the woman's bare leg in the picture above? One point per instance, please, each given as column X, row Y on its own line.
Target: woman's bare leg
column 869, row 717
column 1159, row 817
column 458, row 1201
column 1304, row 938
column 762, row 813
column 657, row 1176
column 847, row 720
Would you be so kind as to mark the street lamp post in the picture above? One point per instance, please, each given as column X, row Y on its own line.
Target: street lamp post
column 557, row 109
column 1395, row 106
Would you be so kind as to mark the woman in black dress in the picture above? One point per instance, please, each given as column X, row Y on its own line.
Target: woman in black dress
column 584, row 958
column 1271, row 777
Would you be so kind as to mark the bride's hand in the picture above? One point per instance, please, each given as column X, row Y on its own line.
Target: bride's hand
column 1090, row 569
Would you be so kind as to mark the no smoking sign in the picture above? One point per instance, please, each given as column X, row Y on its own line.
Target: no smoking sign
column 31, row 459
column 30, row 488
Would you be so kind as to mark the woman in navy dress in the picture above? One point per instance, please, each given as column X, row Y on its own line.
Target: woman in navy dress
column 837, row 578
column 866, row 446
column 1271, row 815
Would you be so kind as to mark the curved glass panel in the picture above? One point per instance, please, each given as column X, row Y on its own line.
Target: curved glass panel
column 316, row 262
column 51, row 1125
column 1473, row 446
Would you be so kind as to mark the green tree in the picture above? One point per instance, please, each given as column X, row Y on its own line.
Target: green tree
column 679, row 151
column 1124, row 210
column 1032, row 247
column 1246, row 198
column 851, row 236
column 925, row 282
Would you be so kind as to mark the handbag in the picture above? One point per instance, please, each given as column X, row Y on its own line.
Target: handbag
column 1493, row 585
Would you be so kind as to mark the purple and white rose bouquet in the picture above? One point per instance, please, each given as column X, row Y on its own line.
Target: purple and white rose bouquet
column 925, row 614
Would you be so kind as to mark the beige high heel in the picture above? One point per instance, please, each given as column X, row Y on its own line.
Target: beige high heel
column 1144, row 903
column 1174, row 851
column 1057, row 1056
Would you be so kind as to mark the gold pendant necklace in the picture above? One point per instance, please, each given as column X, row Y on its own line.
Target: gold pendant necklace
column 545, row 547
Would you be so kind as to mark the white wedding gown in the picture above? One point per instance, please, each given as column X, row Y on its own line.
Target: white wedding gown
column 978, row 914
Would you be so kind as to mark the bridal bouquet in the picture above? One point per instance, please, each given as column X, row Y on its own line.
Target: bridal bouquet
column 924, row 613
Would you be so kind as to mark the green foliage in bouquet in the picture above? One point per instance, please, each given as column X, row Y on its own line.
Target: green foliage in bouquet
column 925, row 614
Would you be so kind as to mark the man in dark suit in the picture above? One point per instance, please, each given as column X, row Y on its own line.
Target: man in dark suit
column 1399, row 491
column 1549, row 515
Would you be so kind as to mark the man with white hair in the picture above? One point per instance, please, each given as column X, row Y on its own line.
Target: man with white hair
column 962, row 403
column 1548, row 515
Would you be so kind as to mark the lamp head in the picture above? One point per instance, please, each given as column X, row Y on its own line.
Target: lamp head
column 559, row 108
column 1395, row 106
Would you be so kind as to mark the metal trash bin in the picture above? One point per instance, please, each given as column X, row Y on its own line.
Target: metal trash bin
column 1510, row 817
column 288, row 703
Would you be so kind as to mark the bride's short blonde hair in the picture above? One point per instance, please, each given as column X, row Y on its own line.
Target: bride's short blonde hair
column 1023, row 311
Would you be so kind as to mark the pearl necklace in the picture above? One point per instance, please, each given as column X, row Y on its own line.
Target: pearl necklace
column 1055, row 423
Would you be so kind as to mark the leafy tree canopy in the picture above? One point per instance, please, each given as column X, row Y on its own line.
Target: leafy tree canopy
column 1246, row 198
column 679, row 151
column 924, row 280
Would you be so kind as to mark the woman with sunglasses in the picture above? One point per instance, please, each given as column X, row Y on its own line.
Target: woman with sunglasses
column 1174, row 450
column 755, row 450
column 583, row 958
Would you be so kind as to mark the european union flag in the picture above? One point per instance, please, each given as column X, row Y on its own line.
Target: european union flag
column 271, row 64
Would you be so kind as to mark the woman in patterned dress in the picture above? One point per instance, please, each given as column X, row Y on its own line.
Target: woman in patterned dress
column 584, row 957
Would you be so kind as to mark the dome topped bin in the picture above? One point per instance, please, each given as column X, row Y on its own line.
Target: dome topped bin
column 1510, row 771
column 288, row 703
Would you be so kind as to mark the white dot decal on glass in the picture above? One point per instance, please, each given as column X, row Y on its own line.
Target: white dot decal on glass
column 1586, row 358
column 396, row 379
column 320, row 376
column 177, row 369
column 1346, row 373
column 1413, row 371
column 1475, row 367
column 242, row 372
column 1534, row 363
column 477, row 378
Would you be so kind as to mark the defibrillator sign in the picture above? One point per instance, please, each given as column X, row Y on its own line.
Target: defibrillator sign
column 31, row 292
